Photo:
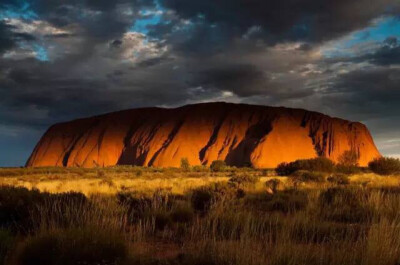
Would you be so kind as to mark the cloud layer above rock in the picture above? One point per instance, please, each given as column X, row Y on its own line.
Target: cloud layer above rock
column 61, row 60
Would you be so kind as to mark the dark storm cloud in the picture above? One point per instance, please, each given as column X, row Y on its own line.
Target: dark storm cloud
column 234, row 78
column 9, row 38
column 389, row 54
column 254, row 51
column 37, row 94
column 312, row 20
column 369, row 93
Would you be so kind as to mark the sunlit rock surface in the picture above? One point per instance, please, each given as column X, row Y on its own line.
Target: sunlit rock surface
column 240, row 134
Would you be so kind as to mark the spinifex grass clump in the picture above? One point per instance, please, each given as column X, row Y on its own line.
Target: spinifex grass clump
column 347, row 205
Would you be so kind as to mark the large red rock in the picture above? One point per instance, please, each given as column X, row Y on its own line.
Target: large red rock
column 237, row 133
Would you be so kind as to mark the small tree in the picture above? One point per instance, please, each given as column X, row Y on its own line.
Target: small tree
column 185, row 165
column 385, row 165
column 218, row 165
column 349, row 159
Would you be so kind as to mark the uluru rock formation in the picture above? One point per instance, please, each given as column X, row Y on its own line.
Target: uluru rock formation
column 237, row 133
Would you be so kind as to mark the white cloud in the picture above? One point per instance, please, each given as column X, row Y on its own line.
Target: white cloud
column 35, row 27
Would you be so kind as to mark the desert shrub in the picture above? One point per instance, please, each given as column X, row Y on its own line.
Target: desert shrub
column 305, row 231
column 348, row 163
column 339, row 179
column 202, row 168
column 202, row 198
column 385, row 165
column 182, row 214
column 15, row 206
column 88, row 246
column 6, row 243
column 18, row 205
column 285, row 169
column 273, row 184
column 185, row 165
column 288, row 201
column 349, row 170
column 162, row 219
column 139, row 173
column 307, row 176
column 282, row 201
column 244, row 181
column 140, row 206
column 218, row 166
column 319, row 164
column 101, row 174
column 344, row 205
column 348, row 158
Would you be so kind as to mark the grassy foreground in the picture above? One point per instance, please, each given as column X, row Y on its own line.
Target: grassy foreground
column 132, row 215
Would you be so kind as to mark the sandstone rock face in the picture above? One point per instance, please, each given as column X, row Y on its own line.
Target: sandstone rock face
column 237, row 133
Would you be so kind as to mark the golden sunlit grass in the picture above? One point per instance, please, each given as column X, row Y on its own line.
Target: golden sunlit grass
column 152, row 216
column 113, row 180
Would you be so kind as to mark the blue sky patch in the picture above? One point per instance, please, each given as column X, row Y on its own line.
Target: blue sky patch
column 370, row 37
column 141, row 25
column 19, row 10
column 41, row 52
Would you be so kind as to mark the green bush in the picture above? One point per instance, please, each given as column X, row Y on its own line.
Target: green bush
column 200, row 168
column 385, row 165
column 70, row 247
column 339, row 179
column 286, row 201
column 202, row 198
column 319, row 164
column 244, row 181
column 307, row 176
column 185, row 165
column 218, row 166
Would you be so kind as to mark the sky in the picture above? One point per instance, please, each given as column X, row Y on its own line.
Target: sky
column 67, row 59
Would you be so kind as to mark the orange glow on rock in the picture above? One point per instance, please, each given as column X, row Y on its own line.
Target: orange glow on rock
column 237, row 133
